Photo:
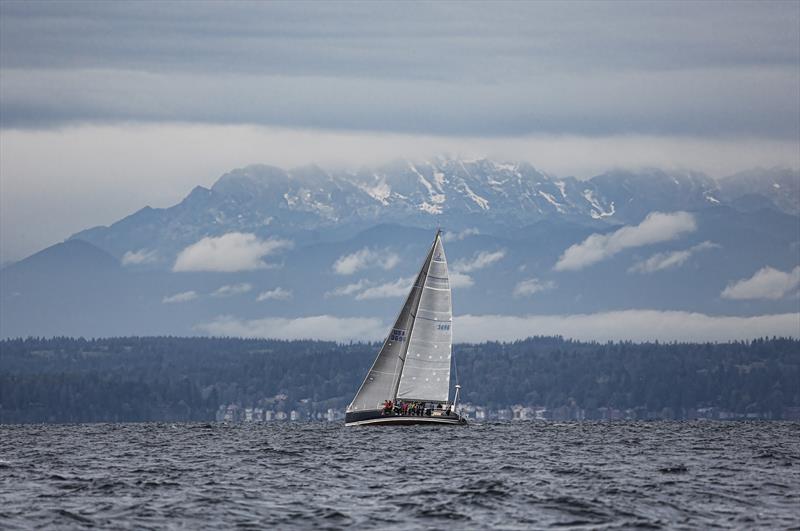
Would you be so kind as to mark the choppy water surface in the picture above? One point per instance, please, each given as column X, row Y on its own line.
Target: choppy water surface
column 494, row 475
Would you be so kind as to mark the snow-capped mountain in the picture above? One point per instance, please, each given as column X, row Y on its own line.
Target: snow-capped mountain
column 311, row 203
column 267, row 200
column 264, row 244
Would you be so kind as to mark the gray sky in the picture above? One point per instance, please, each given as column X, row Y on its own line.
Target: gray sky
column 105, row 107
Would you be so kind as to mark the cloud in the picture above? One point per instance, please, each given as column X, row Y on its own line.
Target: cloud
column 231, row 290
column 480, row 260
column 633, row 325
column 660, row 261
column 142, row 256
column 323, row 327
column 281, row 63
column 365, row 258
column 277, row 294
column 766, row 283
column 397, row 288
column 460, row 280
column 531, row 286
column 458, row 236
column 656, row 227
column 349, row 289
column 184, row 296
column 231, row 252
column 366, row 289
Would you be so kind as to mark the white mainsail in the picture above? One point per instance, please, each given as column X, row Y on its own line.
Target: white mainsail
column 414, row 362
column 426, row 371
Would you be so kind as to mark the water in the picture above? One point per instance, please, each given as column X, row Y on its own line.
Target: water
column 493, row 475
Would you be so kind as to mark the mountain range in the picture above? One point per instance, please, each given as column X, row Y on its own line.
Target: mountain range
column 265, row 248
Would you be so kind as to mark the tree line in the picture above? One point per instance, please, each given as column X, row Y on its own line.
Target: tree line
column 130, row 379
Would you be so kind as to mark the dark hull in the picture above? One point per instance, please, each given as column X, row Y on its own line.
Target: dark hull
column 377, row 418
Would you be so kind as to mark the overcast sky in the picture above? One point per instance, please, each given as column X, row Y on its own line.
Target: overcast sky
column 106, row 107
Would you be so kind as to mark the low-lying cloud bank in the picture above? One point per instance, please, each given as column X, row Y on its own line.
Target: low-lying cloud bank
column 634, row 325
column 323, row 327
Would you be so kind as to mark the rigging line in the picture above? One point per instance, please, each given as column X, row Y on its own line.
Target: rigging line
column 455, row 366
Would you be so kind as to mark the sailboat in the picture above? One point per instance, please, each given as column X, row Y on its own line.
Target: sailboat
column 409, row 382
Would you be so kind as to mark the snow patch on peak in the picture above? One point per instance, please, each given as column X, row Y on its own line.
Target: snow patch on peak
column 561, row 188
column 433, row 194
column 552, row 200
column 430, row 209
column 597, row 211
column 600, row 214
column 438, row 178
column 380, row 192
column 480, row 201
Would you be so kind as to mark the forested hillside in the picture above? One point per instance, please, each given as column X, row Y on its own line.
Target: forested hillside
column 168, row 378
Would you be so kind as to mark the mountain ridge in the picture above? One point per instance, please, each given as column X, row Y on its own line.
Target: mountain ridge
column 319, row 252
column 483, row 194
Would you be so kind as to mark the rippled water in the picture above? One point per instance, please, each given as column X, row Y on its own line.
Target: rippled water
column 493, row 475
